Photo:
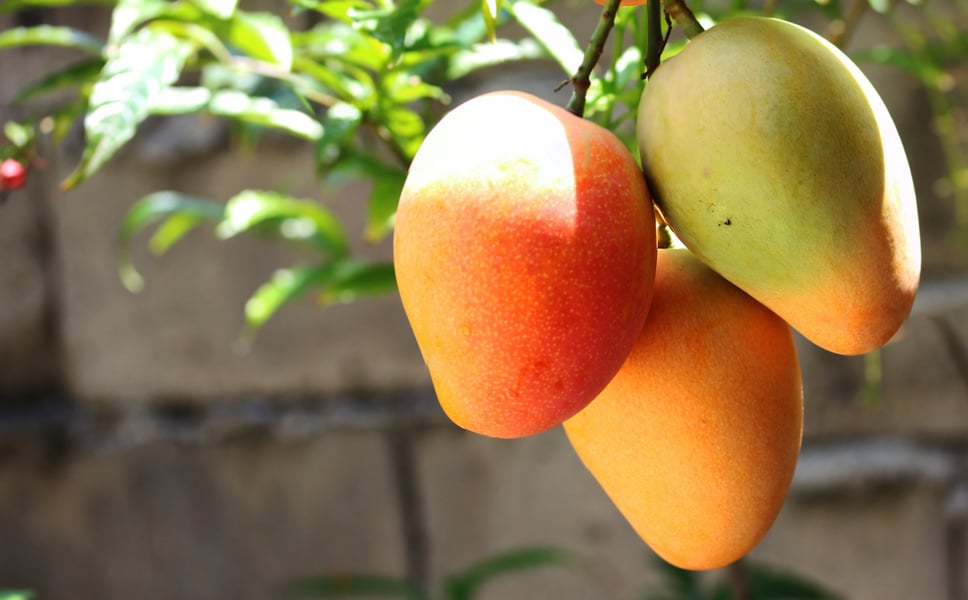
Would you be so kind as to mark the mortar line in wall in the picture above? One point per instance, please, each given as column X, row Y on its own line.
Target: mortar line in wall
column 288, row 418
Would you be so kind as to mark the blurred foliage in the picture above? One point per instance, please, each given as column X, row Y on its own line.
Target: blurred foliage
column 465, row 585
column 744, row 580
column 361, row 82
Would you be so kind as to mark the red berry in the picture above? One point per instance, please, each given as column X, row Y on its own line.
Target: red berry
column 12, row 174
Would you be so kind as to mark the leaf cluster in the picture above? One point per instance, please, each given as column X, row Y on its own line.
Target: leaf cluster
column 360, row 81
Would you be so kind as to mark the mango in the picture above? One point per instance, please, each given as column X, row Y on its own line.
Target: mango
column 696, row 438
column 524, row 249
column 773, row 158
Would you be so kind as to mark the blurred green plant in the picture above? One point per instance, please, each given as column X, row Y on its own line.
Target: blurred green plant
column 465, row 585
column 744, row 580
column 16, row 595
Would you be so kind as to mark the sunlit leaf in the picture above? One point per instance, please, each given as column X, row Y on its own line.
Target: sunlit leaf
column 179, row 100
column 487, row 54
column 261, row 35
column 151, row 209
column 20, row 135
column 16, row 595
column 343, row 585
column 8, row 6
column 548, row 31
column 50, row 35
column 347, row 83
column 881, row 6
column 172, row 230
column 405, row 88
column 129, row 14
column 265, row 112
column 285, row 285
column 339, row 124
column 335, row 9
column 466, row 585
column 290, row 218
column 343, row 280
column 73, row 75
column 406, row 127
column 222, row 9
column 146, row 63
column 389, row 25
column 341, row 43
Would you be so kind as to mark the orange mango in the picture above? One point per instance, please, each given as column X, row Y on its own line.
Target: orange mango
column 773, row 158
column 524, row 249
column 696, row 438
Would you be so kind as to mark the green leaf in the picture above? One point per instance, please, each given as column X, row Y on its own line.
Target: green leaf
column 284, row 286
column 285, row 217
column 382, row 204
column 16, row 595
column 404, row 87
column 50, row 35
column 352, row 280
column 336, row 42
column 345, row 82
column 466, row 585
column 387, row 182
column 261, row 35
column 342, row 585
column 180, row 100
column 222, row 9
column 339, row 125
column 334, row 9
column 129, row 14
column 389, row 25
column 8, row 6
column 152, row 208
column 548, row 31
column 767, row 583
column 265, row 112
column 73, row 75
column 485, row 55
column 406, row 127
column 20, row 135
column 173, row 229
column 342, row 281
column 145, row 64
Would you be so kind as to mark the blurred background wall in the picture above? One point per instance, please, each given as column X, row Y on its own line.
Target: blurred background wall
column 145, row 455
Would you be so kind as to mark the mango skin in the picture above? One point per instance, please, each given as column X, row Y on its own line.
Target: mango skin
column 772, row 157
column 697, row 437
column 524, row 249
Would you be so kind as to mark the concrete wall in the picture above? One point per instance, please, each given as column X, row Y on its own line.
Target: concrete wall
column 143, row 456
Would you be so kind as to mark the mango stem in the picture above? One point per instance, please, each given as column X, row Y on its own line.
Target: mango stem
column 596, row 45
column 684, row 17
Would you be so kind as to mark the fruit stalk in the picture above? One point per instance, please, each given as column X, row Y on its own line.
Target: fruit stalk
column 682, row 15
column 653, row 51
column 596, row 45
